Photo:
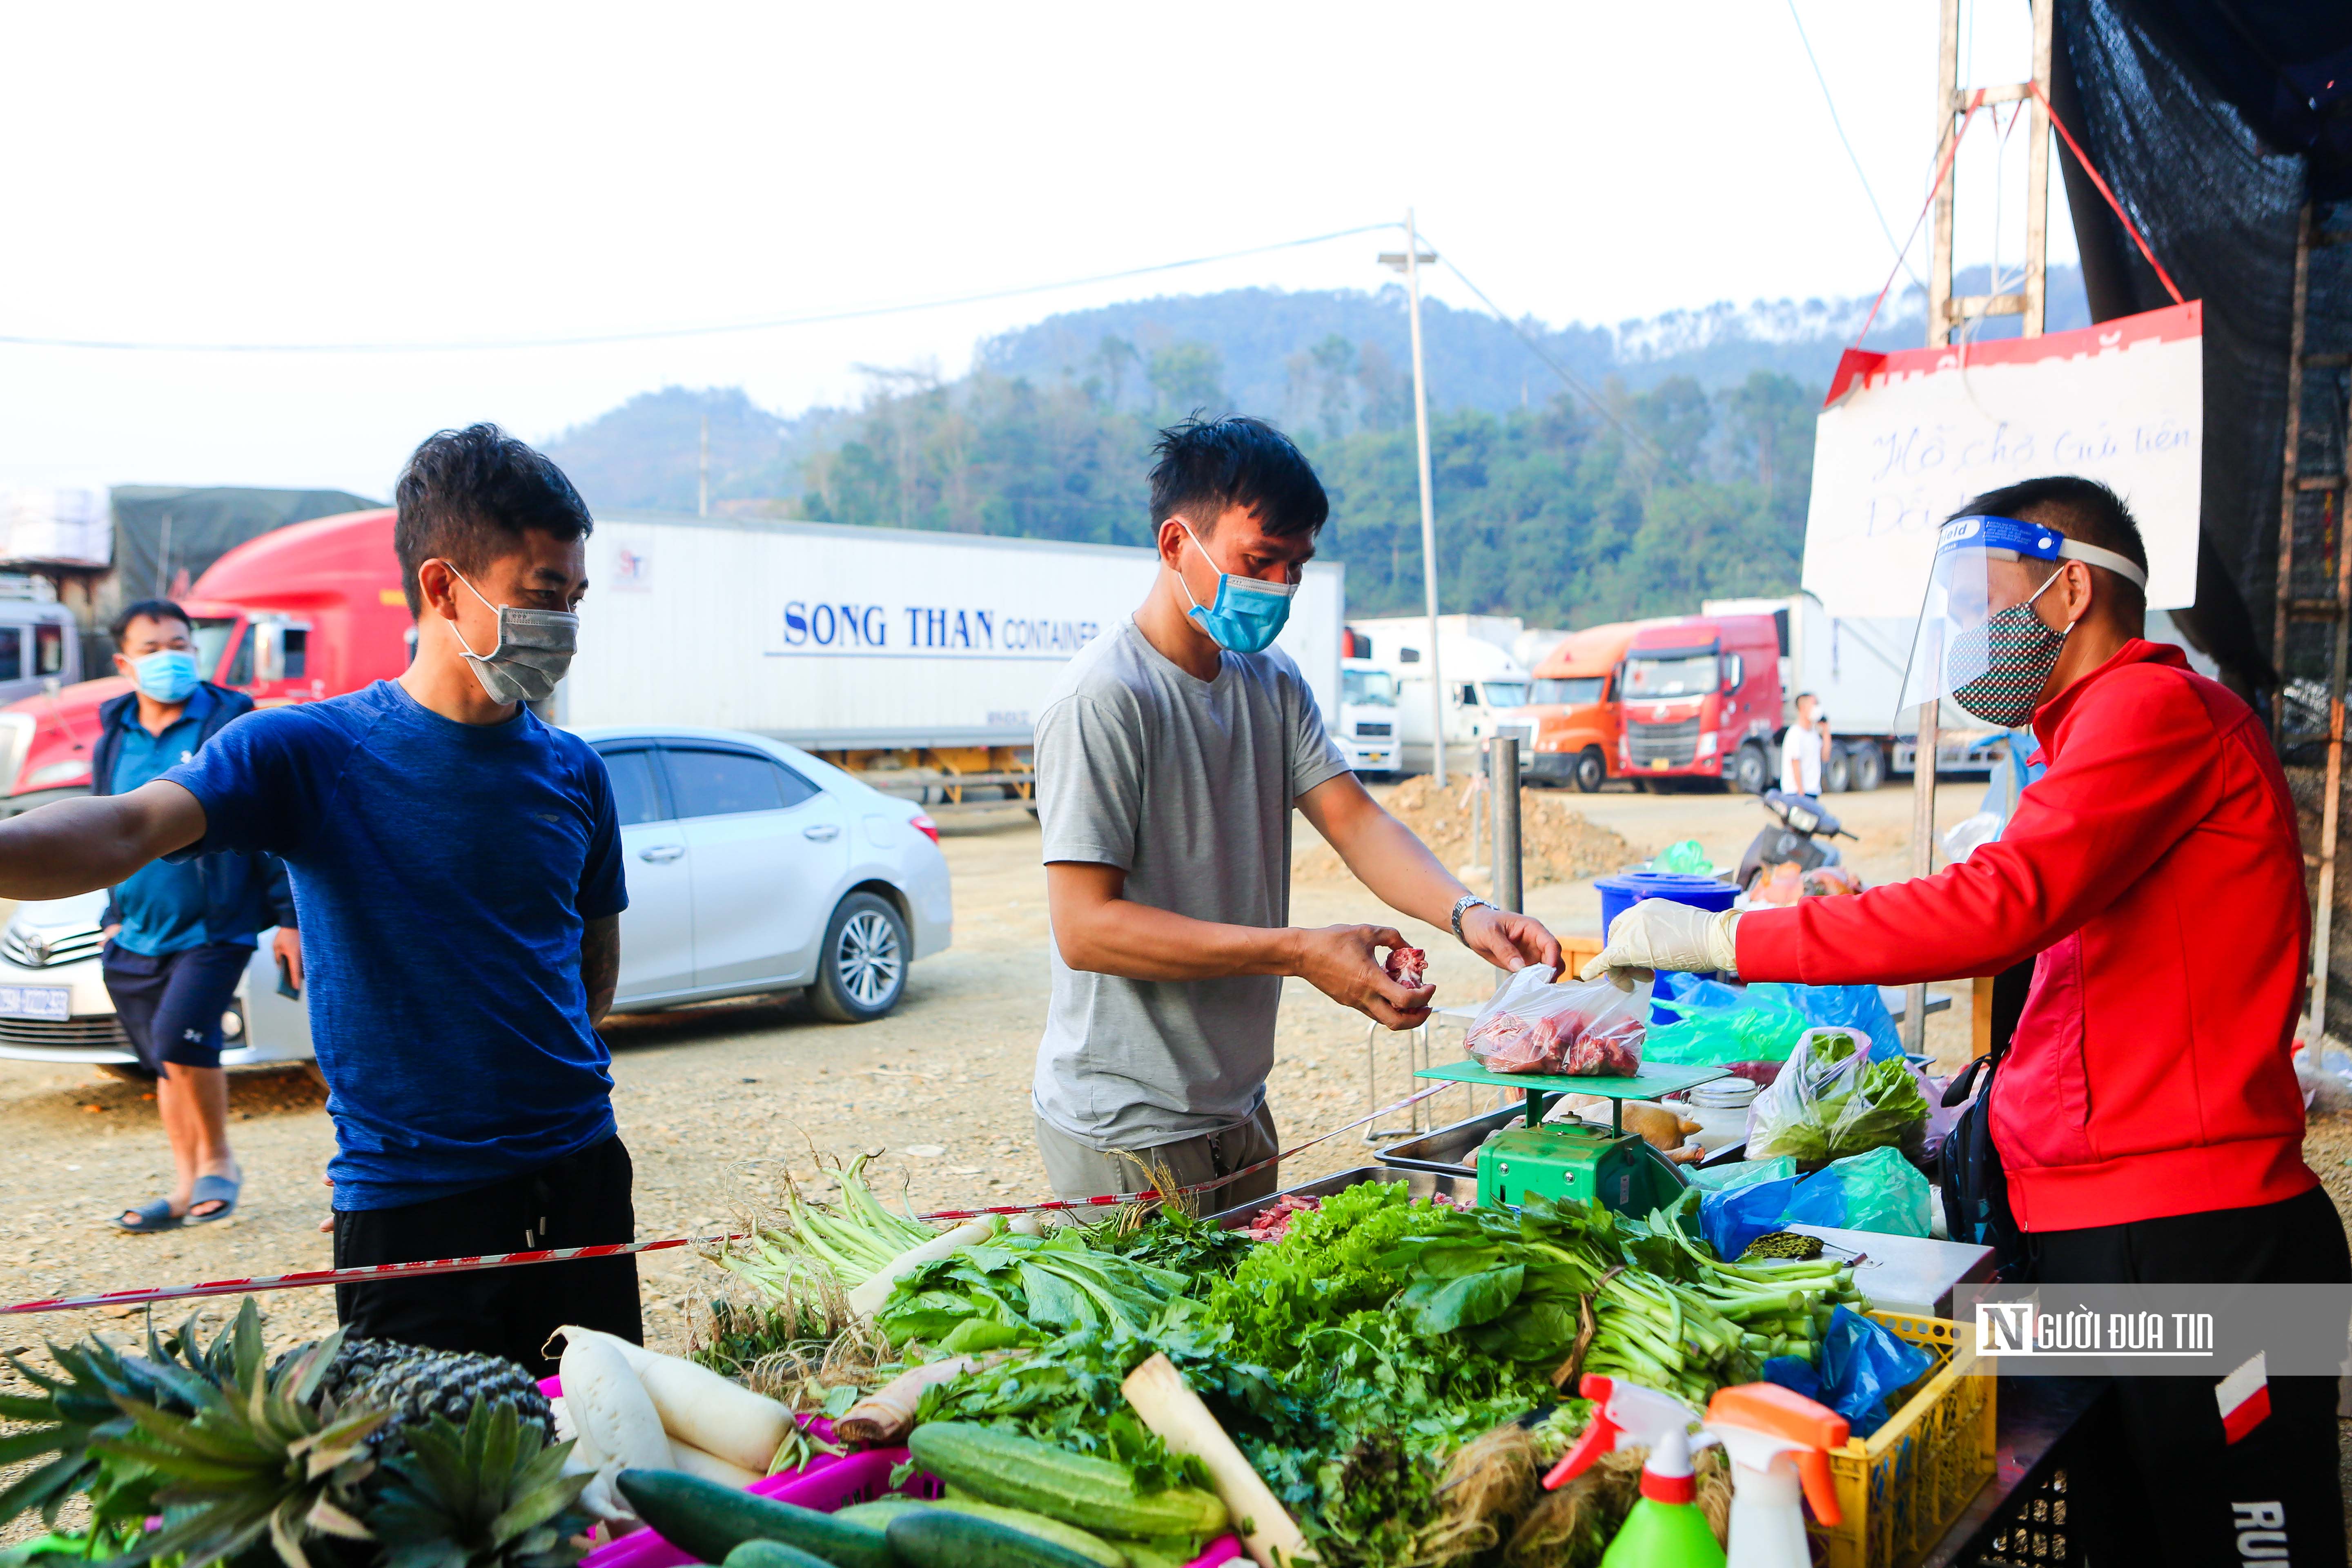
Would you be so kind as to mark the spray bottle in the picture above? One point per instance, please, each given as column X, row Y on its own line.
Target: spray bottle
column 1779, row 1441
column 1665, row 1528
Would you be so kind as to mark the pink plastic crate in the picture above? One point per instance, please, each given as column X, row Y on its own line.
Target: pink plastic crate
column 826, row 1483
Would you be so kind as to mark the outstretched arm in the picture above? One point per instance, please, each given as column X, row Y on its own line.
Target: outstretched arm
column 1388, row 859
column 1098, row 929
column 74, row 845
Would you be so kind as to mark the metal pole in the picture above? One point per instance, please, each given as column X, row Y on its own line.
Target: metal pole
column 1503, row 779
column 702, row 491
column 1923, row 858
column 1428, row 511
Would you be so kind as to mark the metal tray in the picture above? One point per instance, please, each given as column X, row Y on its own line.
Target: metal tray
column 1420, row 1183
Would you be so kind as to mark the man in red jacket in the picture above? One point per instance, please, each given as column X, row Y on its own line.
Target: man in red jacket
column 2146, row 1115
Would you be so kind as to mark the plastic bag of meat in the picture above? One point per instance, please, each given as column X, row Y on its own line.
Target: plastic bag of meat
column 1408, row 966
column 1587, row 1028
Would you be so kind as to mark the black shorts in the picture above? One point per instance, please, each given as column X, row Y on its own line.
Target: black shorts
column 171, row 1007
column 578, row 1201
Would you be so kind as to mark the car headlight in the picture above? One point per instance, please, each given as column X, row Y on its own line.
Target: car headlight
column 73, row 770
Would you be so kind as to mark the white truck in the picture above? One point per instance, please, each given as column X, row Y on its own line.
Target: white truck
column 1483, row 681
column 1367, row 730
column 916, row 660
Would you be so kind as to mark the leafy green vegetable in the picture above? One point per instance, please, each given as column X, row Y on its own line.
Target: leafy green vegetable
column 1828, row 1112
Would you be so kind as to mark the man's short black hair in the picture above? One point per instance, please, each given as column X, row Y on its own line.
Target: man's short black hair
column 149, row 609
column 468, row 497
column 2083, row 509
column 1206, row 466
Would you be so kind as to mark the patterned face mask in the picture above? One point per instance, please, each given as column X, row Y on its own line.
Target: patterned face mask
column 2016, row 652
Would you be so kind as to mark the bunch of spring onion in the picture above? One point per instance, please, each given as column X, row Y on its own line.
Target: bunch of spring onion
column 845, row 1243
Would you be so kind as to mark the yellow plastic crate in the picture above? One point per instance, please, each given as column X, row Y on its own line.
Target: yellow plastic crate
column 1900, row 1489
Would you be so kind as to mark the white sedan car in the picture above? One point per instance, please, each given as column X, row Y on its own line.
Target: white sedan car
column 752, row 867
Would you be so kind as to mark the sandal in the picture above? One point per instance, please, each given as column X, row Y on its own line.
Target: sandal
column 150, row 1216
column 221, row 1190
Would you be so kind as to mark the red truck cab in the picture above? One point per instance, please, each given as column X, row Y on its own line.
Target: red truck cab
column 307, row 611
column 1573, row 708
column 1700, row 698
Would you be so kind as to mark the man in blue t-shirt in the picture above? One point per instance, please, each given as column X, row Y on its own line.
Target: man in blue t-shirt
column 457, row 869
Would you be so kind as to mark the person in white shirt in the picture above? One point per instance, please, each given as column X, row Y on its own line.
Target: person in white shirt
column 1805, row 749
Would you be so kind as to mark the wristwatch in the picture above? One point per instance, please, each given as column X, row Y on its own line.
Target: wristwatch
column 1463, row 906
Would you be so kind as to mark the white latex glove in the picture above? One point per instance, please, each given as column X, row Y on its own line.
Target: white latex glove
column 1658, row 933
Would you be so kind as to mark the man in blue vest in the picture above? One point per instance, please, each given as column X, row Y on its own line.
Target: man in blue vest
column 179, row 936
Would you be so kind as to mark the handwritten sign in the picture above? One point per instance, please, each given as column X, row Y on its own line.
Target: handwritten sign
column 1905, row 438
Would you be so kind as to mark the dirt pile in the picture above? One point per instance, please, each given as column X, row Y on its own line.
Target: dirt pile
column 1557, row 844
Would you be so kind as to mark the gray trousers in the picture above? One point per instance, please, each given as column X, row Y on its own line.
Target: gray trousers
column 1078, row 1170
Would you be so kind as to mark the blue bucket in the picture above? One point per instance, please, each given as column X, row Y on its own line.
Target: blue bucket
column 1622, row 892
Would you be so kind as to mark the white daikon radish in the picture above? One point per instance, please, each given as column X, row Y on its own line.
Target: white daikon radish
column 709, row 1467
column 697, row 1406
column 1171, row 1408
column 866, row 1300
column 884, row 1417
column 1027, row 1225
column 617, row 1423
column 565, row 1431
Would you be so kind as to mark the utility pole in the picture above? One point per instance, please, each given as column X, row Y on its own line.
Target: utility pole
column 702, row 489
column 1410, row 265
column 1944, row 312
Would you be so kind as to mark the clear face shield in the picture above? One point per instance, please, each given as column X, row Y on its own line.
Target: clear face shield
column 1980, row 641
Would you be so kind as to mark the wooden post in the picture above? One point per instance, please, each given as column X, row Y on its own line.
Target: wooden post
column 2037, row 174
column 1939, row 270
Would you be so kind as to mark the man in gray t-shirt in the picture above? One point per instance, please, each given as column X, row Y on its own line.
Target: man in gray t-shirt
column 1169, row 757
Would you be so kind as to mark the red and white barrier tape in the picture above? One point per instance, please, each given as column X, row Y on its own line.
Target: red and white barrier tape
column 382, row 1271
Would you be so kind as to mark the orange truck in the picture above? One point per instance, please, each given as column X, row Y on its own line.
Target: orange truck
column 310, row 610
column 1571, row 715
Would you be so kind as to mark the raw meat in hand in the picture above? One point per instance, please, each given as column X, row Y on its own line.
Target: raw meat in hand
column 1408, row 966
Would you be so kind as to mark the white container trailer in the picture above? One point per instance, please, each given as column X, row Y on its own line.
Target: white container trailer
column 882, row 649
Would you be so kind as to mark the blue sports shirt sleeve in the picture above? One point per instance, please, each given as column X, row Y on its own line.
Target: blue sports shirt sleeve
column 604, row 891
column 256, row 781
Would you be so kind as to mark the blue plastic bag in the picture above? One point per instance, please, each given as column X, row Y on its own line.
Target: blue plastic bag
column 1857, row 1007
column 1741, row 1172
column 1879, row 1191
column 1730, row 1220
column 1861, row 1365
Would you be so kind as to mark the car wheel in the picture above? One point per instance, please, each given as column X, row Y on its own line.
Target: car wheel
column 1837, row 773
column 127, row 1072
column 861, row 971
column 1866, row 767
column 1592, row 770
column 1749, row 771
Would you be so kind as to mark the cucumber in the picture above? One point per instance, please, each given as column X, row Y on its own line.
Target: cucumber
column 1148, row 1554
column 708, row 1520
column 773, row 1554
column 1094, row 1494
column 1084, row 1543
column 880, row 1511
column 942, row 1538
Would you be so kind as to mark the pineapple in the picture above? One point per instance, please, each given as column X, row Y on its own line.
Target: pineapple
column 415, row 1385
column 493, row 1495
column 262, row 1457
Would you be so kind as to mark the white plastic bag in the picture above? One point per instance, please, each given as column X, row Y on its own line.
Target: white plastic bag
column 1587, row 1028
column 1831, row 1100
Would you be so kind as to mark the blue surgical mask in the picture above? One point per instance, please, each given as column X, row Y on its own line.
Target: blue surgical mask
column 169, row 676
column 1247, row 615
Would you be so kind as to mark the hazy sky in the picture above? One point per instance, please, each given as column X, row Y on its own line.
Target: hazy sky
column 468, row 174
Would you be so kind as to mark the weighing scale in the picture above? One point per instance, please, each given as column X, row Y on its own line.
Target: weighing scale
column 1577, row 1163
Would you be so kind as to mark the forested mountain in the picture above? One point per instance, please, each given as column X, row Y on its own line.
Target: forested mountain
column 1689, row 479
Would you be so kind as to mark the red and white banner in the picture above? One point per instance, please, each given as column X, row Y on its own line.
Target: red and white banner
column 1907, row 438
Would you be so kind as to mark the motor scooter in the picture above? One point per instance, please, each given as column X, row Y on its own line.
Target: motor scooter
column 1800, row 834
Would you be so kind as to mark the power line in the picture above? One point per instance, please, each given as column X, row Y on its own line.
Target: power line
column 653, row 333
column 1901, row 252
column 1575, row 383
